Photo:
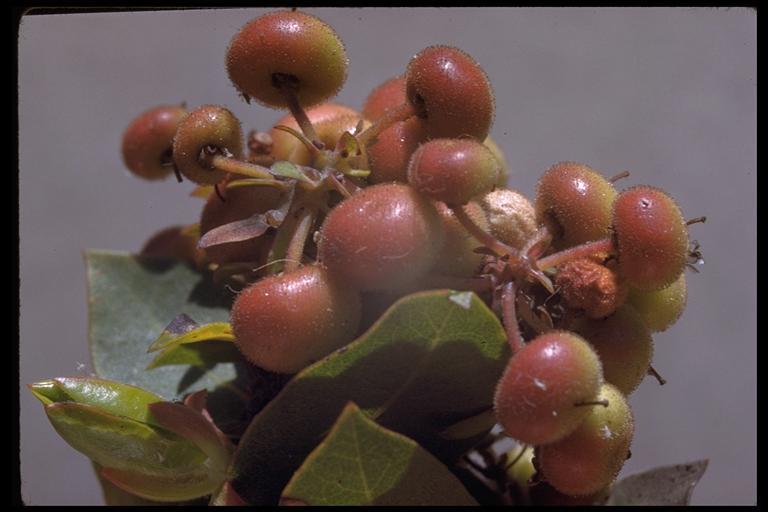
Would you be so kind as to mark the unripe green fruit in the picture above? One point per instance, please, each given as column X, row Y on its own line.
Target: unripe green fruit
column 624, row 345
column 287, row 147
column 499, row 154
column 575, row 203
column 209, row 126
column 662, row 308
column 286, row 322
column 652, row 237
column 382, row 238
column 453, row 171
column 292, row 46
column 590, row 458
column 451, row 92
column 511, row 216
column 522, row 470
column 384, row 97
column 536, row 398
column 457, row 258
column 148, row 141
column 239, row 204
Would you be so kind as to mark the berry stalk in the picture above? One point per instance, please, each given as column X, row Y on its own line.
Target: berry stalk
column 574, row 253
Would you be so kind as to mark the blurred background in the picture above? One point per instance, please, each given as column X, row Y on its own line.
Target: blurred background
column 668, row 94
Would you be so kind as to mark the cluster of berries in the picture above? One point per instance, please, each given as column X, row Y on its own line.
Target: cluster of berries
column 330, row 216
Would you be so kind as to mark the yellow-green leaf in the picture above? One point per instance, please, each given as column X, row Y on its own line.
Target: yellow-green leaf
column 362, row 463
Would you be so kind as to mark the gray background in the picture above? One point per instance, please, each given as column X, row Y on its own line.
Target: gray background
column 669, row 94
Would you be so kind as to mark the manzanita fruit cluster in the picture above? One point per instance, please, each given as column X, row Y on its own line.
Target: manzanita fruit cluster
column 389, row 299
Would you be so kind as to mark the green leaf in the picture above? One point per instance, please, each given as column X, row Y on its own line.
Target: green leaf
column 428, row 363
column 120, row 442
column 131, row 300
column 668, row 485
column 183, row 329
column 170, row 487
column 362, row 463
column 287, row 170
column 111, row 397
column 115, row 496
column 198, row 354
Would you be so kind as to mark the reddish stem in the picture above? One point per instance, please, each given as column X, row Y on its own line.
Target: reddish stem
column 301, row 116
column 295, row 251
column 484, row 238
column 574, row 253
column 392, row 116
column 509, row 316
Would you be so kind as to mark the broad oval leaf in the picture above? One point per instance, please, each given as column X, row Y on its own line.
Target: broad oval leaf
column 170, row 487
column 668, row 485
column 183, row 329
column 117, row 497
column 120, row 442
column 111, row 397
column 428, row 363
column 362, row 463
column 197, row 354
column 131, row 300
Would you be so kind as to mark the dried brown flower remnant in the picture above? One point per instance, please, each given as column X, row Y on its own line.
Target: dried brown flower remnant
column 588, row 285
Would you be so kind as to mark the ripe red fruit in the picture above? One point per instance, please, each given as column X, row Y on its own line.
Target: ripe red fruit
column 286, row 322
column 240, row 203
column 451, row 92
column 624, row 345
column 148, row 141
column 389, row 155
column 287, row 147
column 208, row 127
column 574, row 202
column 651, row 236
column 590, row 458
column 453, row 170
column 290, row 48
column 536, row 398
column 385, row 96
column 382, row 238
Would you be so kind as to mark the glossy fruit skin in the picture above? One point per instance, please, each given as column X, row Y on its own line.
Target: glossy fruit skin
column 535, row 397
column 451, row 92
column 385, row 96
column 384, row 237
column 590, row 458
column 390, row 153
column 287, row 147
column 453, row 171
column 240, row 203
column 651, row 236
column 624, row 345
column 286, row 322
column 511, row 216
column 208, row 125
column 575, row 203
column 148, row 141
column 660, row 309
column 588, row 285
column 457, row 258
column 288, row 43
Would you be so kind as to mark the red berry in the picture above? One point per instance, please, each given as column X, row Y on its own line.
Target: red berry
column 651, row 236
column 382, row 238
column 537, row 397
column 574, row 201
column 148, row 140
column 389, row 155
column 210, row 127
column 286, row 322
column 451, row 92
column 453, row 170
column 387, row 95
column 291, row 49
column 590, row 457
column 458, row 258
